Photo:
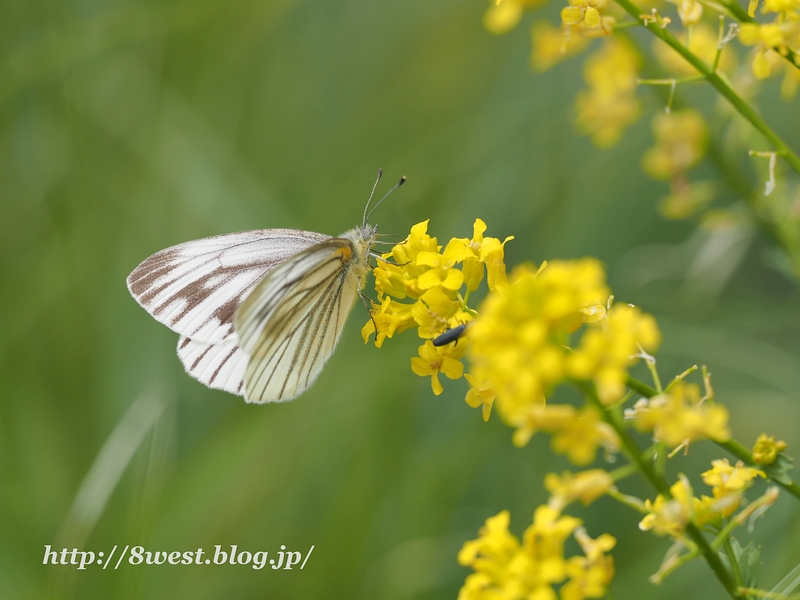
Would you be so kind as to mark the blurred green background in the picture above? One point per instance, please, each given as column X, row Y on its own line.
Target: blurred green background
column 128, row 126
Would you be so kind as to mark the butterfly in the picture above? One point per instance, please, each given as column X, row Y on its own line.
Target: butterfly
column 259, row 312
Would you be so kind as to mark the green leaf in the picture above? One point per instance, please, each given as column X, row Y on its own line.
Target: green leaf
column 788, row 583
column 779, row 470
column 750, row 563
column 749, row 559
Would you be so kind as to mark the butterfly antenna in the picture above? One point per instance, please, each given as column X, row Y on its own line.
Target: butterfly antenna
column 397, row 185
column 364, row 221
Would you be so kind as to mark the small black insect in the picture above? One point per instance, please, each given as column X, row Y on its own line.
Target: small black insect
column 451, row 335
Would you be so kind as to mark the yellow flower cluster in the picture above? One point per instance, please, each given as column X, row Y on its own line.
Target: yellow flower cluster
column 519, row 347
column 728, row 484
column 520, row 344
column 782, row 35
column 576, row 432
column 680, row 416
column 609, row 105
column 766, row 449
column 431, row 281
column 680, row 145
column 506, row 568
column 550, row 45
column 604, row 354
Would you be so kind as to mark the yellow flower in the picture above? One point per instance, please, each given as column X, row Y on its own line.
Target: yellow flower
column 576, row 433
column 788, row 8
column 584, row 11
column 550, row 45
column 670, row 516
column 589, row 574
column 690, row 11
column 766, row 37
column 480, row 394
column 390, row 317
column 679, row 416
column 791, row 81
column 546, row 536
column 609, row 104
column 766, row 449
column 440, row 268
column 725, row 478
column 605, row 353
column 728, row 486
column 433, row 360
column 585, row 486
column 687, row 199
column 680, row 144
column 476, row 253
column 435, row 310
column 495, row 542
column 710, row 510
column 582, row 435
column 399, row 279
column 431, row 282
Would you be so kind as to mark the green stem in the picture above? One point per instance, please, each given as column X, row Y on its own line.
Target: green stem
column 718, row 83
column 623, row 472
column 634, row 454
column 640, row 387
column 724, row 535
column 629, row 501
column 626, row 24
column 737, row 572
column 734, row 177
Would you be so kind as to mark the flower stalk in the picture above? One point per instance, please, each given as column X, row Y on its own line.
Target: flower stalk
column 634, row 454
column 718, row 83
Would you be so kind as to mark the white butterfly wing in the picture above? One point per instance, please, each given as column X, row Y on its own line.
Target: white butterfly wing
column 290, row 323
column 195, row 287
column 220, row 366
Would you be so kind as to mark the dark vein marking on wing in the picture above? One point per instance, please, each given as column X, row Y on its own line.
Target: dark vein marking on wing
column 273, row 343
column 313, row 328
column 283, row 293
column 162, row 270
column 222, row 364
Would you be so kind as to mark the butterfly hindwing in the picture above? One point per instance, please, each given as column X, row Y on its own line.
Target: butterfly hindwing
column 220, row 366
column 290, row 323
column 194, row 288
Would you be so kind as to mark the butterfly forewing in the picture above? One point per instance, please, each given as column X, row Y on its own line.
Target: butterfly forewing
column 290, row 323
column 194, row 288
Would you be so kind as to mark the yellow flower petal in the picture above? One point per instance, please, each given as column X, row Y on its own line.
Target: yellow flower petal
column 592, row 17
column 761, row 66
column 436, row 385
column 571, row 15
column 454, row 280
